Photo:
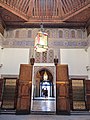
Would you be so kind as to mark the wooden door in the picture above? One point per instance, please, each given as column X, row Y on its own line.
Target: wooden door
column 88, row 94
column 62, row 90
column 24, row 89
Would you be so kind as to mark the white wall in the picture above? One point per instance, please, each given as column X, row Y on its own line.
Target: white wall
column 77, row 60
column 12, row 58
column 88, row 50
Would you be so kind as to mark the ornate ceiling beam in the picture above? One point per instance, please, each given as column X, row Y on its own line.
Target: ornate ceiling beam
column 77, row 12
column 61, row 13
column 30, row 9
column 12, row 10
column 25, row 7
column 50, row 21
column 65, row 6
column 22, row 5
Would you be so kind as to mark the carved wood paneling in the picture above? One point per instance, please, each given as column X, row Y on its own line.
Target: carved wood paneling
column 62, row 90
column 62, row 72
column 1, row 86
column 63, row 105
column 24, row 89
column 25, row 72
column 88, row 94
column 34, row 11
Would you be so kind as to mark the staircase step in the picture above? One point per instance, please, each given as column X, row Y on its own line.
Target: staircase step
column 43, row 112
column 80, row 113
column 7, row 111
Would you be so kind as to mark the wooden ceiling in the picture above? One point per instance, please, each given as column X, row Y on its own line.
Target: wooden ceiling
column 52, row 13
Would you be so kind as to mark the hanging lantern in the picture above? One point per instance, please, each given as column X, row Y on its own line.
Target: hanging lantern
column 45, row 77
column 41, row 42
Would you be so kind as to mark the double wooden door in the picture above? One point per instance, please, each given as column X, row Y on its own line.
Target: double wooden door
column 25, row 90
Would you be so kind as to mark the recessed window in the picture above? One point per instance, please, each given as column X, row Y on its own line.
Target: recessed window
column 17, row 34
column 60, row 34
column 73, row 34
column 29, row 33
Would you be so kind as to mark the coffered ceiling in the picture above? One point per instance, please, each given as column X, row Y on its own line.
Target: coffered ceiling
column 52, row 13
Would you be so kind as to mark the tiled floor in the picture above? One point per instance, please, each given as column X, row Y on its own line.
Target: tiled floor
column 44, row 105
column 44, row 117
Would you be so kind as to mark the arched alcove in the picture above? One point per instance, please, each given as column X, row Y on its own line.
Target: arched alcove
column 40, row 84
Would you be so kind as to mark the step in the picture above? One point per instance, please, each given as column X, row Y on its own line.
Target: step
column 43, row 112
column 80, row 113
column 7, row 111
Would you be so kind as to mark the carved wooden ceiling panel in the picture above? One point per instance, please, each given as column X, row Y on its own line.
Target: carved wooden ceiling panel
column 49, row 12
column 9, row 16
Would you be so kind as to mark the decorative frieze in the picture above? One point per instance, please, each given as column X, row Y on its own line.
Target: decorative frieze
column 51, row 43
column 70, row 44
column 60, row 38
column 52, row 33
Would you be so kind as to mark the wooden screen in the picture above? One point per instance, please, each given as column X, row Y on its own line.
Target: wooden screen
column 62, row 90
column 24, row 89
column 9, row 93
column 1, row 86
column 88, row 94
column 78, row 95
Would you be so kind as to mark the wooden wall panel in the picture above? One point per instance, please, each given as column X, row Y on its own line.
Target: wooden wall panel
column 78, row 94
column 62, row 72
column 88, row 94
column 9, row 93
column 25, row 72
column 1, row 86
column 63, row 104
column 24, row 89
column 62, row 90
column 23, row 103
